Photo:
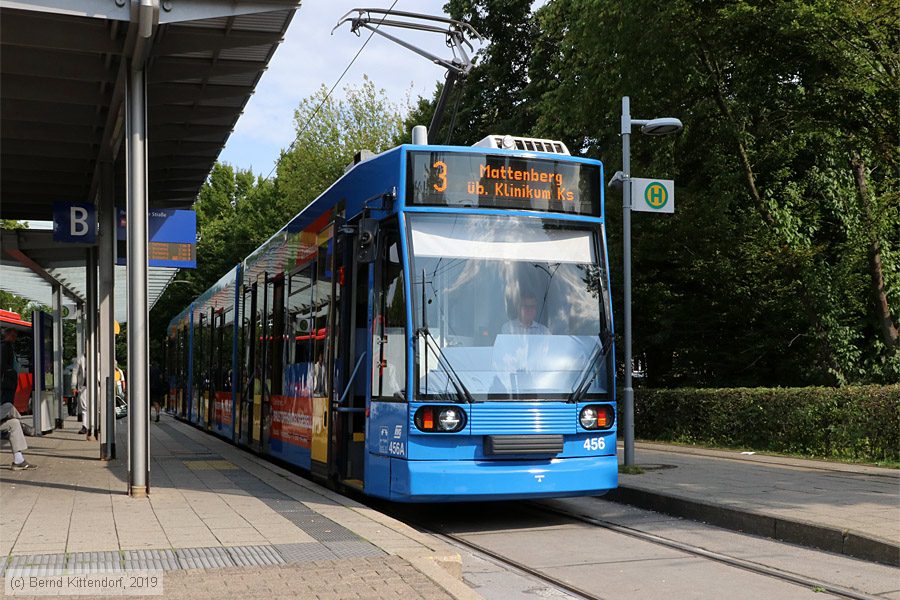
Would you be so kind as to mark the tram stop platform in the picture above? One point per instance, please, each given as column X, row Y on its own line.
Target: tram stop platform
column 842, row 508
column 219, row 522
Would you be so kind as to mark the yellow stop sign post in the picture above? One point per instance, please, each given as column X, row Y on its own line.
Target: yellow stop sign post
column 652, row 195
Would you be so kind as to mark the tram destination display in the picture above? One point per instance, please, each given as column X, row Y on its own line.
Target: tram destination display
column 474, row 180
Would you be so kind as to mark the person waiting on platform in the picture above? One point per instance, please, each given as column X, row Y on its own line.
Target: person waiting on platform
column 526, row 324
column 157, row 388
column 11, row 426
column 77, row 385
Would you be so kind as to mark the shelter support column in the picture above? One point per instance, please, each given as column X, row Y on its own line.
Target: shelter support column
column 58, row 384
column 138, row 333
column 91, row 346
column 107, row 334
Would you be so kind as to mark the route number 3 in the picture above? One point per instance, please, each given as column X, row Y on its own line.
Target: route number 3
column 440, row 187
column 594, row 444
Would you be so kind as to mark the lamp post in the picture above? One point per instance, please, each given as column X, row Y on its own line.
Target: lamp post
column 662, row 126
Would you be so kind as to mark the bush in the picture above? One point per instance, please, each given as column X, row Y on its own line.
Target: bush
column 859, row 422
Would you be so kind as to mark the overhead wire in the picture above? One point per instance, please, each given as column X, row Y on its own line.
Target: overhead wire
column 328, row 95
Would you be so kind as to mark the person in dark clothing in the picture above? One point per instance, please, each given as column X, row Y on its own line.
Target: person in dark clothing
column 157, row 387
column 9, row 374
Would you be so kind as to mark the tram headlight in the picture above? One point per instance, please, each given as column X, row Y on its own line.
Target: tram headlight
column 449, row 419
column 440, row 419
column 588, row 417
column 597, row 416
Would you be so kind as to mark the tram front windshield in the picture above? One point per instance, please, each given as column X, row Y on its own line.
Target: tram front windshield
column 514, row 308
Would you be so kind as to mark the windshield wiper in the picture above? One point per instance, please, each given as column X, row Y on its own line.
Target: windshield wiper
column 462, row 392
column 590, row 373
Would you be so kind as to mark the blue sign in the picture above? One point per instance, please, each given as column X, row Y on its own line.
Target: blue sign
column 171, row 238
column 74, row 222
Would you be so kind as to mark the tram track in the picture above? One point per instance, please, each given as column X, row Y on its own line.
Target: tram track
column 539, row 507
column 519, row 566
column 753, row 567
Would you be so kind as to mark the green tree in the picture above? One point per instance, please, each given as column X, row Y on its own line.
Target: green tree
column 10, row 301
column 780, row 265
column 329, row 132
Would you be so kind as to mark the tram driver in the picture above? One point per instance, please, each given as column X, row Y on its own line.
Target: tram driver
column 526, row 324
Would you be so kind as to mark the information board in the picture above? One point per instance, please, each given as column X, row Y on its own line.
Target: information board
column 498, row 181
column 171, row 236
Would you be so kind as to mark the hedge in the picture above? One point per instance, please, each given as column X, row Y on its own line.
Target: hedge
column 859, row 422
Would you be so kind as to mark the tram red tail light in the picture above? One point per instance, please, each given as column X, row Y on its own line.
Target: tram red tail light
column 440, row 419
column 597, row 416
column 604, row 418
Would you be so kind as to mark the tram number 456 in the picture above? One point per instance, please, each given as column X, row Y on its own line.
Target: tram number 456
column 597, row 443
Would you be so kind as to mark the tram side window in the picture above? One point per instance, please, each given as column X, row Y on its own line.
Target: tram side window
column 225, row 337
column 389, row 347
column 200, row 355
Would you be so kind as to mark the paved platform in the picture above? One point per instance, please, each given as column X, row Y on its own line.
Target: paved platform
column 843, row 508
column 218, row 521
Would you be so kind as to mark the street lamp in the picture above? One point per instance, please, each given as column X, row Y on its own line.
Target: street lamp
column 662, row 126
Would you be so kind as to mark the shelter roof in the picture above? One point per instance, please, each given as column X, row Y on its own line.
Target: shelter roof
column 67, row 268
column 63, row 68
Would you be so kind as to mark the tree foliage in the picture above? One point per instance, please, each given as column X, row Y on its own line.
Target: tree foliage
column 780, row 265
column 330, row 132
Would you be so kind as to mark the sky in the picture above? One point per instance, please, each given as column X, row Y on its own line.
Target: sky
column 311, row 56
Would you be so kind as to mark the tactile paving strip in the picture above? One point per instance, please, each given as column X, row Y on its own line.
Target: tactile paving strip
column 252, row 556
column 95, row 562
column 354, row 549
column 204, row 558
column 320, row 528
column 39, row 564
column 151, row 560
column 209, row 465
column 306, row 552
column 289, row 506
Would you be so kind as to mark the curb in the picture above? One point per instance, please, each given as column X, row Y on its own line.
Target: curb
column 801, row 533
column 436, row 570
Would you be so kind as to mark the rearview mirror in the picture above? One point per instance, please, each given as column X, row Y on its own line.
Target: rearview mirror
column 366, row 248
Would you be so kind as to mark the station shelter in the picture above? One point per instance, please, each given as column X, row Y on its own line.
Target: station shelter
column 112, row 113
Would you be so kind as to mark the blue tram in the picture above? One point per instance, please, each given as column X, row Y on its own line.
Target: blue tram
column 436, row 326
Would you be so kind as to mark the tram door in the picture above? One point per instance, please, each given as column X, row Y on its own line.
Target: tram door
column 348, row 399
column 258, row 341
column 272, row 353
column 211, row 367
column 324, row 303
column 250, row 376
column 217, row 368
column 201, row 389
